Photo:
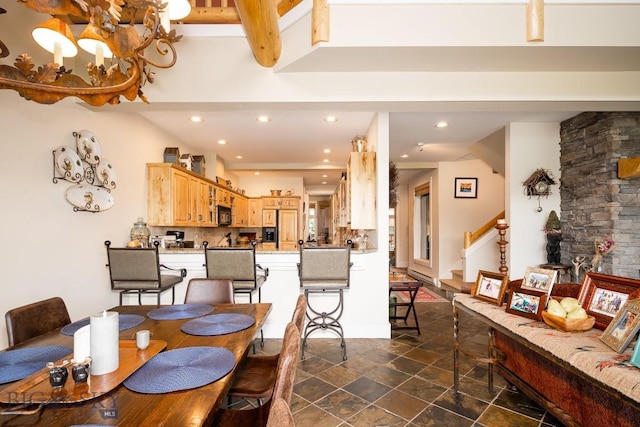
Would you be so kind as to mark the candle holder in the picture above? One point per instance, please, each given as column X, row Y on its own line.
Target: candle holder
column 58, row 374
column 502, row 243
column 80, row 370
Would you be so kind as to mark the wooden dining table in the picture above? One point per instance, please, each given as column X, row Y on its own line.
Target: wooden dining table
column 123, row 407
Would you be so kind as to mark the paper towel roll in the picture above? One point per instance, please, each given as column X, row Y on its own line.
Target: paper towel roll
column 82, row 343
column 104, row 342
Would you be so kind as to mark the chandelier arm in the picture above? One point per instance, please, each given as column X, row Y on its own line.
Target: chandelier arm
column 94, row 95
column 4, row 50
column 174, row 55
column 153, row 11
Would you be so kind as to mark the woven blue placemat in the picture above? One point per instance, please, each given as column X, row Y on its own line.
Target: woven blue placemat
column 181, row 369
column 125, row 321
column 218, row 324
column 18, row 364
column 180, row 311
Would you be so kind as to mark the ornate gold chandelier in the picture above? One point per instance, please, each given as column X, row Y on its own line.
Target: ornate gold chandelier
column 105, row 37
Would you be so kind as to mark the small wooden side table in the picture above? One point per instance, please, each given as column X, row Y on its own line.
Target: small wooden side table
column 402, row 283
column 562, row 269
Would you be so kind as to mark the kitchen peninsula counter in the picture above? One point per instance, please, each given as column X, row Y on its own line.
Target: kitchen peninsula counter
column 366, row 302
column 187, row 251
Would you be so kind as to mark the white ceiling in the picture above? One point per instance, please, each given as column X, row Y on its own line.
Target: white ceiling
column 293, row 142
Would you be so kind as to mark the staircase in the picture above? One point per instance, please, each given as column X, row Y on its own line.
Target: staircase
column 456, row 284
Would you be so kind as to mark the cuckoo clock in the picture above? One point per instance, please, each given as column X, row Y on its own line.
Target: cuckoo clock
column 538, row 185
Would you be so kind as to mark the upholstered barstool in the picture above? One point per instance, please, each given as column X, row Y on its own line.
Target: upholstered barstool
column 324, row 270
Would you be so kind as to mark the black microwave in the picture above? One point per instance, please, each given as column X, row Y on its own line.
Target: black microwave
column 224, row 215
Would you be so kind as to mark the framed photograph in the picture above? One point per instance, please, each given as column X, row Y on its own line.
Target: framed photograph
column 526, row 303
column 491, row 286
column 539, row 280
column 466, row 188
column 602, row 296
column 624, row 327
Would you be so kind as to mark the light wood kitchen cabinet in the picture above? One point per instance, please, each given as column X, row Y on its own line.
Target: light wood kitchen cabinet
column 271, row 202
column 340, row 205
column 288, row 230
column 239, row 211
column 255, row 212
column 267, row 246
column 290, row 203
column 223, row 197
column 361, row 179
column 281, row 202
column 178, row 197
column 269, row 218
column 207, row 211
column 168, row 201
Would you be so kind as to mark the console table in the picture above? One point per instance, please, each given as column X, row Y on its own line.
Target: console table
column 574, row 376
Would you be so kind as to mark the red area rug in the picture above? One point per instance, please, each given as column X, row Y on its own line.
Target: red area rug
column 424, row 295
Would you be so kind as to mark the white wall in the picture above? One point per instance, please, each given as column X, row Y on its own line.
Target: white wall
column 529, row 146
column 451, row 217
column 256, row 186
column 50, row 250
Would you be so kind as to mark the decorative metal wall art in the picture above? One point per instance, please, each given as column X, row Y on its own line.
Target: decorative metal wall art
column 92, row 175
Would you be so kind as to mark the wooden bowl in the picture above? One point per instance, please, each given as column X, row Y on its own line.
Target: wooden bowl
column 568, row 325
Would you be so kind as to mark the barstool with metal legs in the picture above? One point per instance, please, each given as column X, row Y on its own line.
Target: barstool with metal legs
column 324, row 270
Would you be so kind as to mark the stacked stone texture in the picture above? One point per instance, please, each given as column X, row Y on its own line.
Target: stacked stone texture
column 594, row 202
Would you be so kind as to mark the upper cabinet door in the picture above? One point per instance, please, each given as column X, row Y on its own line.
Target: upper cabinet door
column 361, row 178
column 269, row 218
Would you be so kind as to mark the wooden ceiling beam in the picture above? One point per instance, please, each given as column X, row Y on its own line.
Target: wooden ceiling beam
column 260, row 22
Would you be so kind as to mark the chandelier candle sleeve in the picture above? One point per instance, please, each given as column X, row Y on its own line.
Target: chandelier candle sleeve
column 104, row 342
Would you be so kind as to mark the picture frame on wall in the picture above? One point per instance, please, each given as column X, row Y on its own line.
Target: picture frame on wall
column 539, row 280
column 526, row 303
column 602, row 296
column 466, row 188
column 624, row 327
column 491, row 287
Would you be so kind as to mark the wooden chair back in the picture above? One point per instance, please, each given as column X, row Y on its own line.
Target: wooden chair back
column 280, row 414
column 287, row 364
column 300, row 312
column 209, row 291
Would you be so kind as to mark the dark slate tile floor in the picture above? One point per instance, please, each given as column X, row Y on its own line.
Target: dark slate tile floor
column 407, row 381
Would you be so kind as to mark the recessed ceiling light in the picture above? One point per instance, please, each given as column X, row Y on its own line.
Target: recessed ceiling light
column 441, row 125
column 404, row 156
column 327, row 150
column 324, row 182
column 256, row 173
column 263, row 119
column 222, row 142
column 196, row 119
column 330, row 119
column 324, row 176
column 238, row 157
column 325, row 161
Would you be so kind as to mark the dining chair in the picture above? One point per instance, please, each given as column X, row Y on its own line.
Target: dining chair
column 324, row 270
column 209, row 291
column 35, row 319
column 255, row 377
column 237, row 264
column 137, row 271
column 280, row 414
column 282, row 387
